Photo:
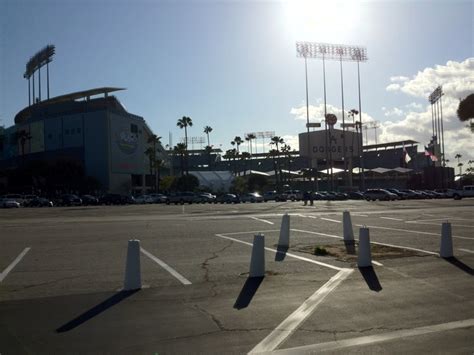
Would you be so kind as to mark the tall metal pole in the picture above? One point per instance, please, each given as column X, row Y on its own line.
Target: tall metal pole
column 326, row 124
column 361, row 139
column 29, row 92
column 432, row 121
column 343, row 126
column 34, row 96
column 442, row 128
column 308, row 158
column 47, row 77
column 439, row 128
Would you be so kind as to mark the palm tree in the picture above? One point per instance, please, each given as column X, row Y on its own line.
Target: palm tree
column 466, row 108
column 273, row 154
column 231, row 154
column 208, row 150
column 237, row 141
column 154, row 140
column 251, row 137
column 180, row 149
column 245, row 156
column 184, row 123
column 159, row 163
column 207, row 130
column 460, row 168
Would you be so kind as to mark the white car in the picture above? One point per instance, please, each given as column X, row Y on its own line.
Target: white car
column 8, row 203
column 251, row 197
column 142, row 199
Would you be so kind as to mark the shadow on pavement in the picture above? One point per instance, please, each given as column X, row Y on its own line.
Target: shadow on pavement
column 248, row 291
column 281, row 253
column 350, row 247
column 96, row 310
column 459, row 264
column 371, row 278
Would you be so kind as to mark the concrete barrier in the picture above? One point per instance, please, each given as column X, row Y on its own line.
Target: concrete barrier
column 364, row 257
column 446, row 247
column 347, row 227
column 133, row 279
column 284, row 240
column 257, row 262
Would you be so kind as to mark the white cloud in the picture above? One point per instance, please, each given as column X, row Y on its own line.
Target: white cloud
column 393, row 112
column 457, row 79
column 400, row 78
column 316, row 113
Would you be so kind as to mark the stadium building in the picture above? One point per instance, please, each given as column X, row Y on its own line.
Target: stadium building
column 90, row 128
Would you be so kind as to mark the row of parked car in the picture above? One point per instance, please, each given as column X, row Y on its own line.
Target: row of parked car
column 17, row 200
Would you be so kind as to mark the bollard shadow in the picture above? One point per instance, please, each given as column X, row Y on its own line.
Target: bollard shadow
column 96, row 310
column 281, row 253
column 248, row 291
column 460, row 265
column 350, row 247
column 371, row 278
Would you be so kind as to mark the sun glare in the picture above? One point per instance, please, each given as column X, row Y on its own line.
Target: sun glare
column 321, row 20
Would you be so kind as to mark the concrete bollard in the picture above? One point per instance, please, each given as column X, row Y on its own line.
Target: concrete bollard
column 284, row 240
column 257, row 263
column 133, row 279
column 347, row 227
column 364, row 258
column 446, row 248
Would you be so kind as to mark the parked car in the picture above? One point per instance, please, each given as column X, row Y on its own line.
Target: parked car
column 9, row 203
column 40, row 202
column 15, row 197
column 327, row 196
column 27, row 199
column 294, row 195
column 401, row 195
column 379, row 194
column 466, row 191
column 181, row 197
column 116, row 199
column 143, row 199
column 158, row 198
column 227, row 198
column 274, row 196
column 251, row 197
column 70, row 200
column 356, row 195
column 412, row 194
column 89, row 200
column 205, row 197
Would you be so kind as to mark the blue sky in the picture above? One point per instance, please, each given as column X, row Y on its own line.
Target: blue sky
column 230, row 65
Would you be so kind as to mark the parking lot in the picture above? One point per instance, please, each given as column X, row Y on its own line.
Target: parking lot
column 62, row 270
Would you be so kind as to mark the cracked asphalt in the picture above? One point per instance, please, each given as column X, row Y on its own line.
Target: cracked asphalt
column 63, row 296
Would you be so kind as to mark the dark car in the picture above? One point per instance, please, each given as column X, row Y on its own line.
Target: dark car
column 401, row 195
column 115, row 199
column 228, row 198
column 40, row 202
column 70, row 200
column 89, row 200
column 356, row 195
column 379, row 194
column 181, row 197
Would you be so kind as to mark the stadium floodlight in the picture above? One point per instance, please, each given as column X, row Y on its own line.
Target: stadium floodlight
column 41, row 58
column 331, row 51
column 435, row 99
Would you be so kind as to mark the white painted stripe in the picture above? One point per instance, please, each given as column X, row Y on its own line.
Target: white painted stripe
column 467, row 250
column 392, row 219
column 371, row 339
column 168, row 268
column 388, row 245
column 331, row 220
column 294, row 320
column 410, row 231
column 288, row 254
column 377, row 263
column 262, row 220
column 13, row 264
column 253, row 232
column 314, row 217
column 360, row 215
column 439, row 224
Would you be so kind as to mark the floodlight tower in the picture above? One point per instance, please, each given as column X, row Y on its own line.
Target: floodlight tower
column 40, row 59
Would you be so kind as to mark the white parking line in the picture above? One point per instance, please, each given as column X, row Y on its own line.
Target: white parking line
column 168, row 268
column 467, row 250
column 376, row 263
column 253, row 232
column 294, row 320
column 13, row 264
column 331, row 220
column 288, row 254
column 371, row 339
column 410, row 231
column 439, row 224
column 360, row 215
column 262, row 220
column 392, row 219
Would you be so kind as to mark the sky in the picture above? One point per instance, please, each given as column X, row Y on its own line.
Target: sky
column 232, row 65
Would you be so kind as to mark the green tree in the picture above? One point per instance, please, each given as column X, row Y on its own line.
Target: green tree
column 207, row 130
column 237, row 141
column 187, row 183
column 244, row 157
column 466, row 108
column 184, row 122
column 180, row 149
column 231, row 154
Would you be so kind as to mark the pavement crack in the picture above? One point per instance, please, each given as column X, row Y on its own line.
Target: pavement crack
column 205, row 266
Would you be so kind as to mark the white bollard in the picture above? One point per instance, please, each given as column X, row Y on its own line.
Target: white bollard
column 347, row 227
column 257, row 263
column 364, row 258
column 133, row 280
column 446, row 249
column 284, row 240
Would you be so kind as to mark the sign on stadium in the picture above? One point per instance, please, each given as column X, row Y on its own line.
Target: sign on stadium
column 320, row 145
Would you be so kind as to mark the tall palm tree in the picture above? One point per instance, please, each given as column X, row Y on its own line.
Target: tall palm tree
column 251, row 137
column 207, row 130
column 184, row 123
column 154, row 140
column 180, row 149
column 237, row 141
column 244, row 157
column 231, row 154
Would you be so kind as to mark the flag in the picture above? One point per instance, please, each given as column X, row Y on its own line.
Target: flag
column 427, row 151
column 407, row 157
